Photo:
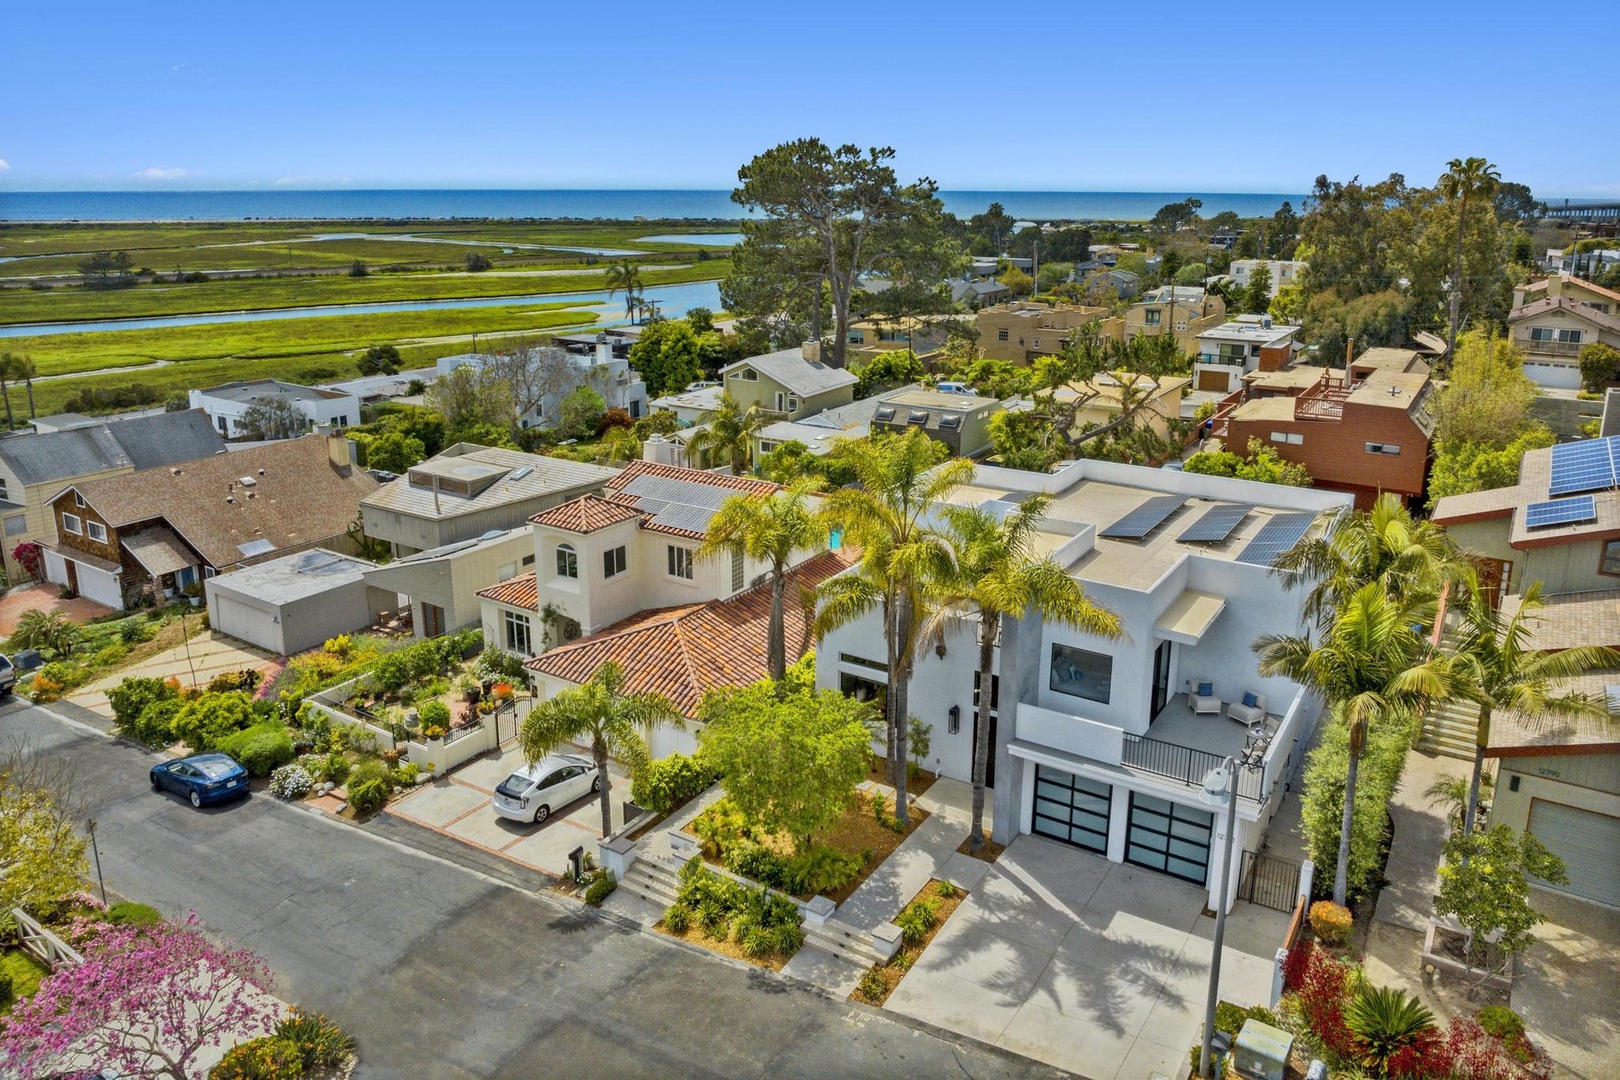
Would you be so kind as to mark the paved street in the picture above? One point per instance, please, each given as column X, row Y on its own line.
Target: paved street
column 443, row 971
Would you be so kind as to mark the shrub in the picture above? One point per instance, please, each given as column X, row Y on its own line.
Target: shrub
column 268, row 1057
column 108, row 655
column 334, row 767
column 405, row 775
column 246, row 680
column 1320, row 981
column 1385, row 1020
column 500, row 664
column 947, row 891
column 720, row 827
column 916, row 920
column 64, row 673
column 341, row 646
column 8, row 992
column 131, row 697
column 133, row 633
column 261, row 749
column 677, row 919
column 321, row 1043
column 129, row 913
column 1500, row 1021
column 209, row 718
column 1330, row 921
column 669, row 782
column 1217, row 1067
column 434, row 714
column 601, row 888
column 757, row 941
column 291, row 782
column 155, row 726
column 369, row 786
column 750, row 860
column 873, row 986
column 821, row 869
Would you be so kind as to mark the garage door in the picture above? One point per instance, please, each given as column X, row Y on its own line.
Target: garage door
column 1169, row 837
column 1589, row 844
column 1071, row 808
column 1218, row 381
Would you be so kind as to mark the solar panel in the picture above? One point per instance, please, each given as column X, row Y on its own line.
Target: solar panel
column 1560, row 512
column 1588, row 465
column 1144, row 519
column 670, row 490
column 688, row 518
column 1276, row 536
column 1216, row 524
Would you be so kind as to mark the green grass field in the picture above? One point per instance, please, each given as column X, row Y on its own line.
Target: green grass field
column 75, row 303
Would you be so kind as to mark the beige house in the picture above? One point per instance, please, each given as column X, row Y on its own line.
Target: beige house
column 870, row 338
column 789, row 384
column 1553, row 319
column 35, row 466
column 1107, row 393
column 1020, row 331
column 469, row 490
column 1184, row 310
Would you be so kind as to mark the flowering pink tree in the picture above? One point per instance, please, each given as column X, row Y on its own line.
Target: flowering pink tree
column 145, row 1001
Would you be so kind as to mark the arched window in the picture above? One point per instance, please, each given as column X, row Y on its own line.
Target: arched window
column 567, row 561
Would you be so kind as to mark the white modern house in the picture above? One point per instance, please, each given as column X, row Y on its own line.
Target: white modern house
column 324, row 409
column 1106, row 743
column 1241, row 346
column 1283, row 272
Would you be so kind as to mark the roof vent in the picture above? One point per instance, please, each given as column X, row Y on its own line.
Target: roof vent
column 246, row 481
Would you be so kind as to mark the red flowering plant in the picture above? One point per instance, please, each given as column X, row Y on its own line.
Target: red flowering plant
column 31, row 557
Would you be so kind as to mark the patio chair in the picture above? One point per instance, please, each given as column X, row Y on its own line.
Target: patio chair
column 1250, row 709
column 1201, row 698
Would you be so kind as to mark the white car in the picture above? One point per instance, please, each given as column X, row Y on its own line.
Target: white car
column 549, row 784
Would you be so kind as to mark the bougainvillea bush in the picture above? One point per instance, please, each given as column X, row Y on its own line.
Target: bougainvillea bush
column 145, row 1002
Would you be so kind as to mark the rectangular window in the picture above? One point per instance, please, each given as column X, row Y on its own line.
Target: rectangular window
column 3, row 488
column 1001, row 335
column 739, row 577
column 72, row 524
column 517, row 634
column 1383, row 448
column 861, row 661
column 567, row 562
column 16, row 526
column 1292, row 437
column 96, row 531
column 1611, row 558
column 1082, row 673
column 680, row 562
column 792, row 403
column 862, row 689
column 1151, row 316
column 613, row 562
column 766, row 446
column 746, row 374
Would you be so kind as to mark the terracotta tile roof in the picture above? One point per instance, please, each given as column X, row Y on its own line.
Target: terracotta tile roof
column 300, row 500
column 521, row 591
column 683, row 652
column 586, row 514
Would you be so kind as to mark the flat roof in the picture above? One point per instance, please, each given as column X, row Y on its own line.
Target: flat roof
column 939, row 399
column 248, row 392
column 519, row 478
column 1098, row 493
column 1251, row 332
column 297, row 576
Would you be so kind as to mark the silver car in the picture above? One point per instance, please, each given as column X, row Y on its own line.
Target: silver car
column 549, row 784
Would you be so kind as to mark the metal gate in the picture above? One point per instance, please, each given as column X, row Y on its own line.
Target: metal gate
column 1268, row 881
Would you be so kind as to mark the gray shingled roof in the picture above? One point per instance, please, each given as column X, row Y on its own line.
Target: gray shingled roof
column 141, row 443
column 789, row 368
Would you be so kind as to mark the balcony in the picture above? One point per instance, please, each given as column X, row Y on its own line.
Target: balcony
column 1547, row 348
column 1179, row 749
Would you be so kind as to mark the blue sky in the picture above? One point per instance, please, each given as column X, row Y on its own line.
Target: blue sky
column 1065, row 96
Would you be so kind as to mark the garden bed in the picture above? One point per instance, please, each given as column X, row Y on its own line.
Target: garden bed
column 732, row 918
column 941, row 898
column 990, row 852
column 1446, row 950
column 917, row 780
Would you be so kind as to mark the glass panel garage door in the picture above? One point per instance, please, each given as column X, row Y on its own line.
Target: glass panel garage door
column 1073, row 809
column 1169, row 837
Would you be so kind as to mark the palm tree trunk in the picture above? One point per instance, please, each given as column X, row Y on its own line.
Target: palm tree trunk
column 599, row 755
column 29, row 382
column 1456, row 282
column 1341, row 872
column 981, row 732
column 899, row 695
column 1482, row 738
column 5, row 392
column 776, row 645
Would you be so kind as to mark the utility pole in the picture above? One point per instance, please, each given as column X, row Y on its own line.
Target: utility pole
column 96, row 851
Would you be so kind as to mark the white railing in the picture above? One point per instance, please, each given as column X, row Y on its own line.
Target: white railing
column 1072, row 734
column 41, row 943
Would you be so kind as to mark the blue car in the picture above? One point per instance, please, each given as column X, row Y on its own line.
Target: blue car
column 202, row 778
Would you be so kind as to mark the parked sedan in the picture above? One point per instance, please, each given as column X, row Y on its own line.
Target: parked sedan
column 202, row 778
column 549, row 784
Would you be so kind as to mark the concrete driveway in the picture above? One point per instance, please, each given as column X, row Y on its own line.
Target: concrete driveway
column 1088, row 965
column 458, row 807
column 1568, row 983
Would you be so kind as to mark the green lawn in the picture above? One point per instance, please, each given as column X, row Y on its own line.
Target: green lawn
column 25, row 972
column 74, row 303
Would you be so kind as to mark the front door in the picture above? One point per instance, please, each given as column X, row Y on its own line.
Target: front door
column 1161, row 680
column 432, row 620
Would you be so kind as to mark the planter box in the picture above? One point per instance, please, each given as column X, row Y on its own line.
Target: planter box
column 1434, row 957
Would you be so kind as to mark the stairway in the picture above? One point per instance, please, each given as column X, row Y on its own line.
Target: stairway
column 1450, row 730
column 656, row 879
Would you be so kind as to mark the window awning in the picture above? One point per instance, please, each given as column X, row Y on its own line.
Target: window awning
column 1189, row 617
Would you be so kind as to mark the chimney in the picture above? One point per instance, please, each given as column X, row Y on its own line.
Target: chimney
column 340, row 451
column 812, row 351
column 604, row 349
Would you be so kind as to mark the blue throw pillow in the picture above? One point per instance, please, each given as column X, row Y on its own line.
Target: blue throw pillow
column 1206, row 689
column 1250, row 701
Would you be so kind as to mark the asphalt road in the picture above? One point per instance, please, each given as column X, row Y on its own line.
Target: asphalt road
column 442, row 971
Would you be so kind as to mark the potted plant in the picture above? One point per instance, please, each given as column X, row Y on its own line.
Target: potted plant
column 194, row 593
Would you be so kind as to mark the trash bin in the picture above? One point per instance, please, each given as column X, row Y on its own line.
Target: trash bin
column 576, row 863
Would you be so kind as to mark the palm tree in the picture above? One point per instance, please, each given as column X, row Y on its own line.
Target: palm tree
column 1372, row 663
column 52, row 630
column 1495, row 666
column 1411, row 558
column 729, row 433
column 767, row 530
column 1465, row 178
column 997, row 573
column 8, row 368
column 617, row 724
column 625, row 275
column 886, row 514
column 22, row 367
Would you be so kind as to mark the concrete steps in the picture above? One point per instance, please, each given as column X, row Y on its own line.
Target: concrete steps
column 1449, row 730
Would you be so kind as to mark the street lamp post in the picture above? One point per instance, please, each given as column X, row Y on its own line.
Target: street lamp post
column 1220, row 785
column 96, row 851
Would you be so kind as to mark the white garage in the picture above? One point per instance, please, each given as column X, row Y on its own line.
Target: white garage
column 1589, row 844
column 296, row 602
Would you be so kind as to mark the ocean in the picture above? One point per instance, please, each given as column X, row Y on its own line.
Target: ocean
column 653, row 205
